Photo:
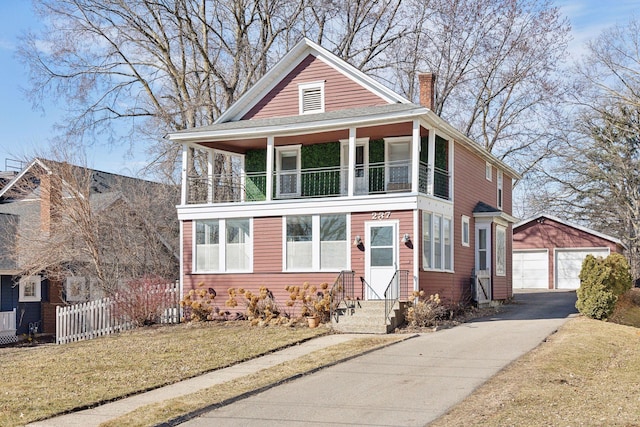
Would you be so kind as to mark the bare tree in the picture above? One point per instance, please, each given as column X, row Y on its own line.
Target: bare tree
column 93, row 224
column 595, row 180
column 166, row 65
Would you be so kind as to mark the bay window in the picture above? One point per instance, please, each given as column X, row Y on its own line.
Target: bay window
column 437, row 253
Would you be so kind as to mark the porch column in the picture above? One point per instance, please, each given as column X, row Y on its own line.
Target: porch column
column 351, row 171
column 210, row 177
column 186, row 154
column 269, row 180
column 415, row 157
column 432, row 160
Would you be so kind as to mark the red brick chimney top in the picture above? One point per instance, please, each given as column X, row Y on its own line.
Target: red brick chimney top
column 427, row 83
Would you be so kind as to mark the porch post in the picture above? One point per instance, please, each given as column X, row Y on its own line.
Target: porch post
column 185, row 175
column 415, row 157
column 269, row 181
column 432, row 160
column 351, row 163
column 210, row 177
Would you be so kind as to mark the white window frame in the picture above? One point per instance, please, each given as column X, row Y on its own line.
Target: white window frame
column 488, row 171
column 304, row 87
column 499, row 181
column 388, row 143
column 501, row 250
column 429, row 264
column 288, row 149
column 483, row 226
column 315, row 244
column 36, row 281
column 465, row 239
column 222, row 244
column 76, row 289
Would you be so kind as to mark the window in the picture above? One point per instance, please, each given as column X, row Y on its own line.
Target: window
column 398, row 170
column 499, row 184
column 29, row 289
column 233, row 254
column 76, row 289
column 316, row 242
column 436, row 242
column 483, row 249
column 488, row 171
column 465, row 230
column 501, row 250
column 288, row 171
column 311, row 97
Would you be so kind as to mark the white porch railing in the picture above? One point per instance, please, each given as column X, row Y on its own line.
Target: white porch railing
column 101, row 317
column 8, row 327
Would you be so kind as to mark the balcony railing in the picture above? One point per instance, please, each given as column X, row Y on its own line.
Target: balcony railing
column 376, row 178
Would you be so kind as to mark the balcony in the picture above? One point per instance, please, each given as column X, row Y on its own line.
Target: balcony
column 372, row 179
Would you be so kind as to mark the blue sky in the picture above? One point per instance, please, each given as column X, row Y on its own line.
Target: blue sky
column 25, row 130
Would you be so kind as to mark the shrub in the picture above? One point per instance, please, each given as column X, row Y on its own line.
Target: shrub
column 426, row 312
column 314, row 301
column 260, row 307
column 144, row 300
column 602, row 281
column 198, row 304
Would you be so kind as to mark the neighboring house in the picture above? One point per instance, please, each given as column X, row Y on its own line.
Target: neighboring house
column 318, row 169
column 28, row 208
column 548, row 252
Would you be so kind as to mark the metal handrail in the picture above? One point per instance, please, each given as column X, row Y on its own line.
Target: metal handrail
column 398, row 288
column 342, row 290
column 366, row 285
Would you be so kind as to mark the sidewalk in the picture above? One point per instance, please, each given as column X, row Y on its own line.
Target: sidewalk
column 103, row 413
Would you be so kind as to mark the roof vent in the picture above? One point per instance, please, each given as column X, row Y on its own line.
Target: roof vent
column 311, row 98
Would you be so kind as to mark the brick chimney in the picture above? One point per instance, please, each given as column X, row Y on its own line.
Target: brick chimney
column 49, row 200
column 427, row 83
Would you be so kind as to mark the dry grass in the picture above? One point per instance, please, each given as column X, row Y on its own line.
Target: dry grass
column 39, row 382
column 588, row 374
column 164, row 411
column 627, row 311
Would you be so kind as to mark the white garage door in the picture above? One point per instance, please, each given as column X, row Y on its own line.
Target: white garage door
column 531, row 269
column 569, row 264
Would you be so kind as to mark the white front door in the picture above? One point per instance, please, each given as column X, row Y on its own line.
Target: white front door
column 483, row 262
column 381, row 254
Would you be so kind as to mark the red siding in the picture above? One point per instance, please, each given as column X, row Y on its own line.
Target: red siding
column 340, row 92
column 549, row 234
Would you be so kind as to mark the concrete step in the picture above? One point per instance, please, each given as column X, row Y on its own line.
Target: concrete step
column 366, row 317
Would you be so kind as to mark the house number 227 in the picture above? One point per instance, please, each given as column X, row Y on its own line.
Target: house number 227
column 380, row 215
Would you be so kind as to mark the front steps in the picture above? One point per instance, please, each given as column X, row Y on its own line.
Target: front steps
column 367, row 317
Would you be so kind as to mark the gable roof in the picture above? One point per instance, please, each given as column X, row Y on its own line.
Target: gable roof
column 569, row 224
column 288, row 62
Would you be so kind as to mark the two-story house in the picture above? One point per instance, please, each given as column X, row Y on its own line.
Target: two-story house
column 319, row 169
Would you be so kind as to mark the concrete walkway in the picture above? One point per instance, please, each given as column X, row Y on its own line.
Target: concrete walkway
column 406, row 384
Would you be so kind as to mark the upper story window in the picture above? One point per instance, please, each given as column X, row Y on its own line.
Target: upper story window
column 488, row 171
column 29, row 289
column 499, row 179
column 311, row 97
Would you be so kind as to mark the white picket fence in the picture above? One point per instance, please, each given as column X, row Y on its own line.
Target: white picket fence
column 101, row 317
column 8, row 327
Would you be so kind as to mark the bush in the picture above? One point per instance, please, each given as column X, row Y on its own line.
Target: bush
column 261, row 308
column 198, row 304
column 144, row 300
column 602, row 281
column 314, row 301
column 426, row 312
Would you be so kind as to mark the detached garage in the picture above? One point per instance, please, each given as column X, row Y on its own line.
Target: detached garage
column 548, row 252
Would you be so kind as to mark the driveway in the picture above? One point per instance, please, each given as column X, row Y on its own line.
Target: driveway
column 410, row 383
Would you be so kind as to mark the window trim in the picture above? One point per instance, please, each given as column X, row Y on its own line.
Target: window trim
column 222, row 244
column 302, row 88
column 316, row 252
column 24, row 281
column 499, row 186
column 488, row 171
column 429, row 265
column 465, row 222
column 501, row 267
column 297, row 149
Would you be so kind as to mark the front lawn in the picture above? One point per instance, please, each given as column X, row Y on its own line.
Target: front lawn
column 39, row 382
